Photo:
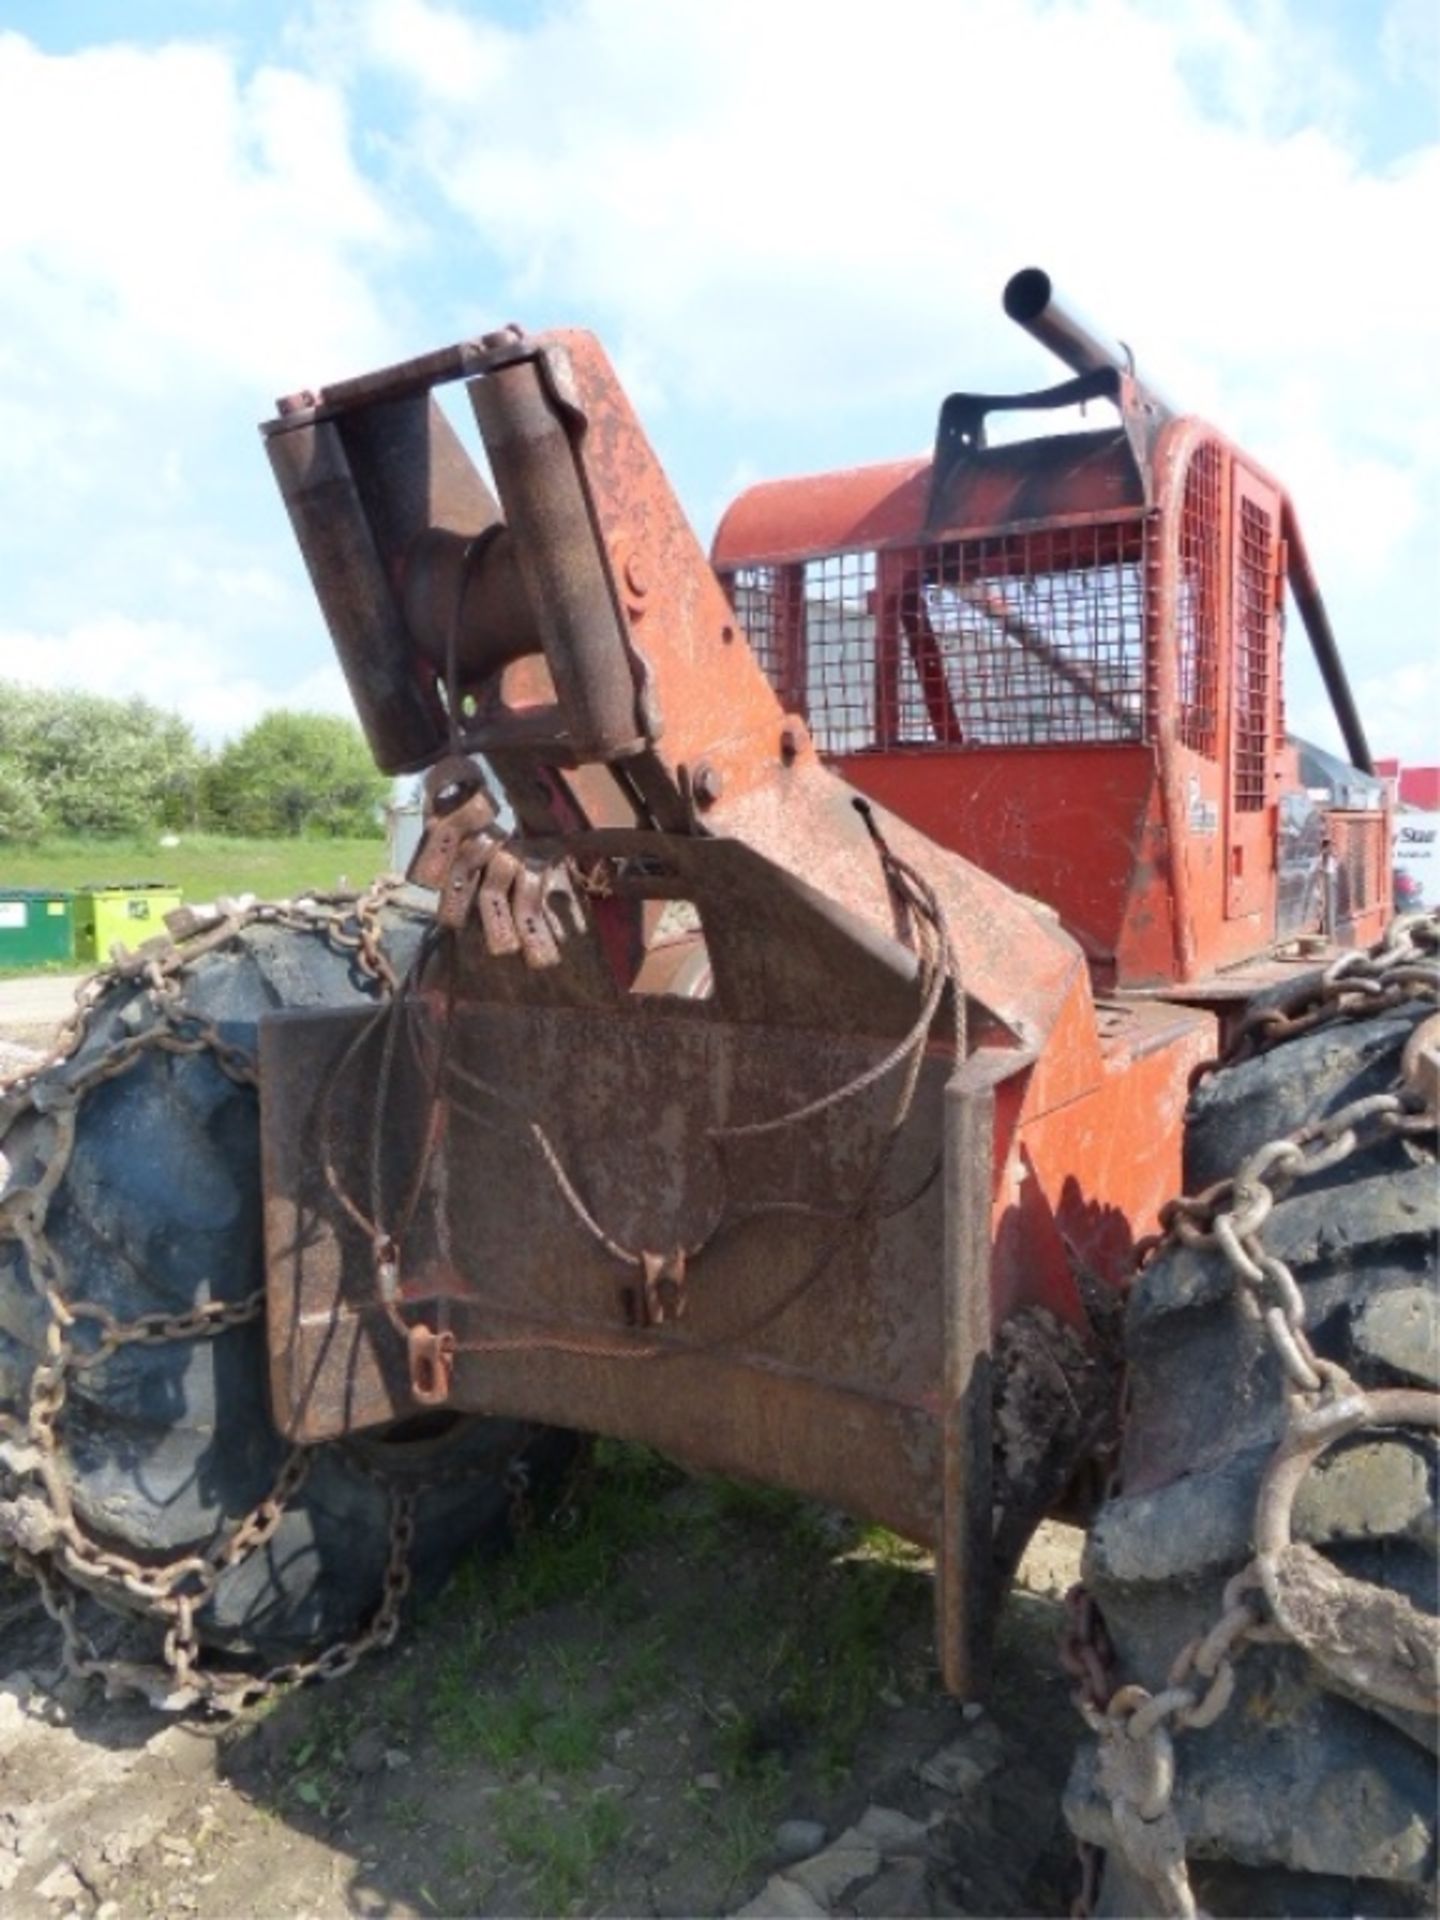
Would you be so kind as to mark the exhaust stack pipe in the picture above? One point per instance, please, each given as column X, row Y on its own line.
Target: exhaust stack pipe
column 1031, row 302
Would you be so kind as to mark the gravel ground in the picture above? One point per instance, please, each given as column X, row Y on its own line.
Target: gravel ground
column 32, row 1006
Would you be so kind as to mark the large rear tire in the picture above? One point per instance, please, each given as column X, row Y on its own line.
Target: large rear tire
column 1303, row 1797
column 166, row 1447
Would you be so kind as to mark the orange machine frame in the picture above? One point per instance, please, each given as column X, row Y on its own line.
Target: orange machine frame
column 457, row 1216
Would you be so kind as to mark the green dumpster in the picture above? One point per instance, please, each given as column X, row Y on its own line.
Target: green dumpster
column 127, row 913
column 37, row 926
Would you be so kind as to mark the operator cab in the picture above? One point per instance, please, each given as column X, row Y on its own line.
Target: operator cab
column 1061, row 657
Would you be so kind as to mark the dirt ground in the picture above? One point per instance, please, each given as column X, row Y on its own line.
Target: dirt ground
column 673, row 1696
column 32, row 1006
column 601, row 1754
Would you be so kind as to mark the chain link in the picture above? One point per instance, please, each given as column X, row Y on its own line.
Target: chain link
column 1136, row 1728
column 44, row 1538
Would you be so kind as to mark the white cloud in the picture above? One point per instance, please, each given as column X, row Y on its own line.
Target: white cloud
column 785, row 216
column 179, row 222
column 246, row 584
column 179, row 667
column 1410, row 42
column 788, row 208
column 182, row 238
column 789, row 220
column 1360, row 511
column 1400, row 709
column 449, row 57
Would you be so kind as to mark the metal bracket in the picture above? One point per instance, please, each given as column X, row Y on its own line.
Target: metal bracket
column 431, row 1358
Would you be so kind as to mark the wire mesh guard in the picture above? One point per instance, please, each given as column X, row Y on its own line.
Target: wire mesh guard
column 758, row 595
column 1022, row 639
column 1253, row 583
column 1197, row 606
column 1362, row 880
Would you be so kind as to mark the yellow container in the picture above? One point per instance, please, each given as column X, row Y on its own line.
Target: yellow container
column 121, row 915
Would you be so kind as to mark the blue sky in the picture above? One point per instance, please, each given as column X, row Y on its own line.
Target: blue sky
column 789, row 220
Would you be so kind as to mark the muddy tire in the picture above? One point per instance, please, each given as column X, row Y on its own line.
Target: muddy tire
column 166, row 1446
column 1299, row 1800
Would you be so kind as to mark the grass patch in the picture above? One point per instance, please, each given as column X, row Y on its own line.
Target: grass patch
column 560, row 1849
column 741, row 1825
column 833, row 1695
column 406, row 1813
column 462, row 1859
column 526, row 1726
column 44, row 966
column 644, row 1672
column 576, row 1551
column 819, row 1628
column 314, row 1771
column 555, row 1715
column 202, row 866
column 812, row 1633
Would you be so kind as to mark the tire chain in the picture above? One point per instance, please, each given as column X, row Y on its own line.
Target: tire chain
column 1135, row 1728
column 44, row 1538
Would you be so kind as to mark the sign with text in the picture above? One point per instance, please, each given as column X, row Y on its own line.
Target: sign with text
column 1417, row 853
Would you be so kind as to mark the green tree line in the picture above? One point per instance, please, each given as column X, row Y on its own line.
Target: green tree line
column 76, row 763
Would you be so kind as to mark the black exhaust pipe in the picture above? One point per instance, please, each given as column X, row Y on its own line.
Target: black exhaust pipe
column 1031, row 302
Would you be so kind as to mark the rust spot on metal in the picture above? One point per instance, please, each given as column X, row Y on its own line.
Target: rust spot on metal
column 431, row 1358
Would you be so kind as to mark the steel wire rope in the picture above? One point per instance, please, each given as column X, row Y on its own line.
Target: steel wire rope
column 938, row 968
